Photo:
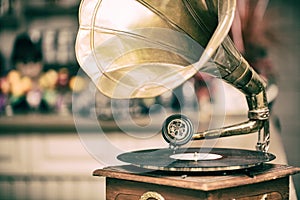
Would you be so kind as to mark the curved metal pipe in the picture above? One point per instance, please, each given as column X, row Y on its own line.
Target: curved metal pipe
column 247, row 127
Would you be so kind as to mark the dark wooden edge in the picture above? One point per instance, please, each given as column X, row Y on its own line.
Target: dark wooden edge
column 274, row 171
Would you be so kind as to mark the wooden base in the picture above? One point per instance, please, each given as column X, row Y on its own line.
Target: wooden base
column 131, row 183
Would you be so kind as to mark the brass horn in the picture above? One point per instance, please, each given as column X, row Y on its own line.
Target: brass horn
column 143, row 48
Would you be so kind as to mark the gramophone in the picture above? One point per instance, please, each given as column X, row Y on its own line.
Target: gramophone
column 144, row 48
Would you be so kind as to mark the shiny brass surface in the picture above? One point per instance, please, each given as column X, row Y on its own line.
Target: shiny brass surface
column 137, row 49
column 152, row 195
column 143, row 48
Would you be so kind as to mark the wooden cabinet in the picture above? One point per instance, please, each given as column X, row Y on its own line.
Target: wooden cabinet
column 121, row 190
column 266, row 182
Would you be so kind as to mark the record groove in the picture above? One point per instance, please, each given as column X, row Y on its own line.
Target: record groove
column 232, row 159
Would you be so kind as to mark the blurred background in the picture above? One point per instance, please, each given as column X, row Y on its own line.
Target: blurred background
column 41, row 155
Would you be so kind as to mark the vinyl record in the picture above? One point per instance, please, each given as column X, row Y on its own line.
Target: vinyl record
column 196, row 159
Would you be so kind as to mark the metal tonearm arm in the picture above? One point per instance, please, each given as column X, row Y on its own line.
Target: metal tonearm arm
column 250, row 126
column 238, row 73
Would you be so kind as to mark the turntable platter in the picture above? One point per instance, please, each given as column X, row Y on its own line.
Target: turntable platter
column 194, row 159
